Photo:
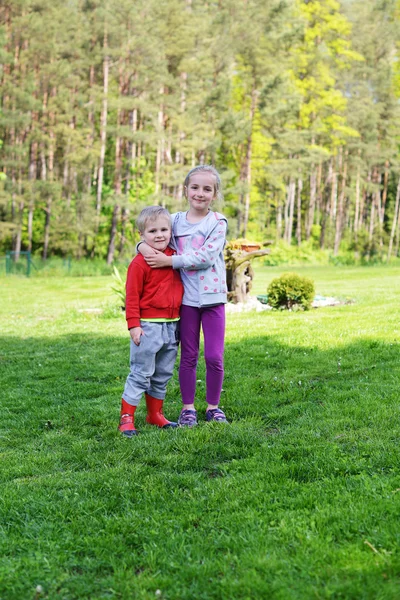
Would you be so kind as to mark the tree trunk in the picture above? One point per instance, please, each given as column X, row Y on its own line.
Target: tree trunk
column 333, row 207
column 247, row 165
column 363, row 203
column 278, row 219
column 384, row 193
column 381, row 203
column 298, row 225
column 50, row 175
column 113, row 234
column 32, row 178
column 371, row 221
column 103, row 129
column 326, row 206
column 311, row 207
column 357, row 206
column 18, row 237
column 20, row 216
column 289, row 210
column 160, row 144
column 47, row 229
column 395, row 221
column 131, row 152
column 340, row 210
column 90, row 135
column 396, row 253
column 124, row 221
column 239, row 272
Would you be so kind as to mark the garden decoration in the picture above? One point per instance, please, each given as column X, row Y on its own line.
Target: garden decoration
column 239, row 272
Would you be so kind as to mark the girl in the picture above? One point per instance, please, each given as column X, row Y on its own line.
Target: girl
column 199, row 237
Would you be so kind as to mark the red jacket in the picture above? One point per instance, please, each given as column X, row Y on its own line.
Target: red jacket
column 152, row 293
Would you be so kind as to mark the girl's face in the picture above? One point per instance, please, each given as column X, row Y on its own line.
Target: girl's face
column 201, row 191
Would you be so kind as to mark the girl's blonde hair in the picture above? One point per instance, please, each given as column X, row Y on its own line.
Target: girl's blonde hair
column 207, row 169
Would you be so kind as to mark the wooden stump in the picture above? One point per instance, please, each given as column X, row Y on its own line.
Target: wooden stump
column 239, row 272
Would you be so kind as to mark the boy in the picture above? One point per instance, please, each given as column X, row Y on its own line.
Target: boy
column 153, row 300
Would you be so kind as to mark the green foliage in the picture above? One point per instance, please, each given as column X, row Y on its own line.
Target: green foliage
column 283, row 254
column 296, row 102
column 291, row 291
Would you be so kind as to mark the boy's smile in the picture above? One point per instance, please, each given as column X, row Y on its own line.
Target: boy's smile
column 157, row 233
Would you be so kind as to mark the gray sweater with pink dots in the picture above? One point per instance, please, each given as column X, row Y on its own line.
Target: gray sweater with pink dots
column 200, row 257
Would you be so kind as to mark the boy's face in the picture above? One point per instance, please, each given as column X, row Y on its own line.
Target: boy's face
column 157, row 233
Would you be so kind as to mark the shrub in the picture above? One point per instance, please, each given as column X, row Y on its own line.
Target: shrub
column 290, row 290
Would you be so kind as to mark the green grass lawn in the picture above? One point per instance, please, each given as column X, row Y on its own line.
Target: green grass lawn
column 298, row 498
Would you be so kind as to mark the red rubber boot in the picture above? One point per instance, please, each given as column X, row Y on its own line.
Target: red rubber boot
column 155, row 414
column 127, row 420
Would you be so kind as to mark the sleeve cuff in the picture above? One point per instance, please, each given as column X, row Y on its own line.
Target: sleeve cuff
column 177, row 261
column 133, row 323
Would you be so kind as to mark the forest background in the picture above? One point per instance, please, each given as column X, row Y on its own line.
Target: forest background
column 106, row 104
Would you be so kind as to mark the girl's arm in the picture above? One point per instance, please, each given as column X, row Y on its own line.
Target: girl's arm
column 154, row 258
column 206, row 255
column 145, row 250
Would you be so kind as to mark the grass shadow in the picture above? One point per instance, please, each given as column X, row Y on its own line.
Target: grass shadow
column 277, row 504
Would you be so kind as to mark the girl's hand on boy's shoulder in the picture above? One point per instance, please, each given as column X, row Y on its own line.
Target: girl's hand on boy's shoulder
column 136, row 333
column 157, row 261
column 146, row 250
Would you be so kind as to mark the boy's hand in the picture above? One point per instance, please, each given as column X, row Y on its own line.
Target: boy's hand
column 146, row 250
column 158, row 260
column 136, row 333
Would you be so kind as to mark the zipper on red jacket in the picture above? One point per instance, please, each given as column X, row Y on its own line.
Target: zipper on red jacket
column 173, row 295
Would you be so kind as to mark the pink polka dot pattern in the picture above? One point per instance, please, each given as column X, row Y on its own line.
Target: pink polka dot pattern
column 205, row 287
column 215, row 279
column 202, row 277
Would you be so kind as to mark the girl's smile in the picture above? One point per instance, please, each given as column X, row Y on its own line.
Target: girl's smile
column 201, row 192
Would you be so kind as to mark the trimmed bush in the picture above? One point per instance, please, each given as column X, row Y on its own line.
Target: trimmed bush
column 291, row 291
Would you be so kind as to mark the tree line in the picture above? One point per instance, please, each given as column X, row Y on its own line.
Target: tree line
column 106, row 104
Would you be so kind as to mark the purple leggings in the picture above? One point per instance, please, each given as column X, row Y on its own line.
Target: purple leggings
column 212, row 320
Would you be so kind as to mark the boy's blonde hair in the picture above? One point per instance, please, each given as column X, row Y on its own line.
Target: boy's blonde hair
column 151, row 213
column 207, row 169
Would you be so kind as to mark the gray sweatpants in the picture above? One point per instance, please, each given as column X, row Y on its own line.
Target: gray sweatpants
column 152, row 362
